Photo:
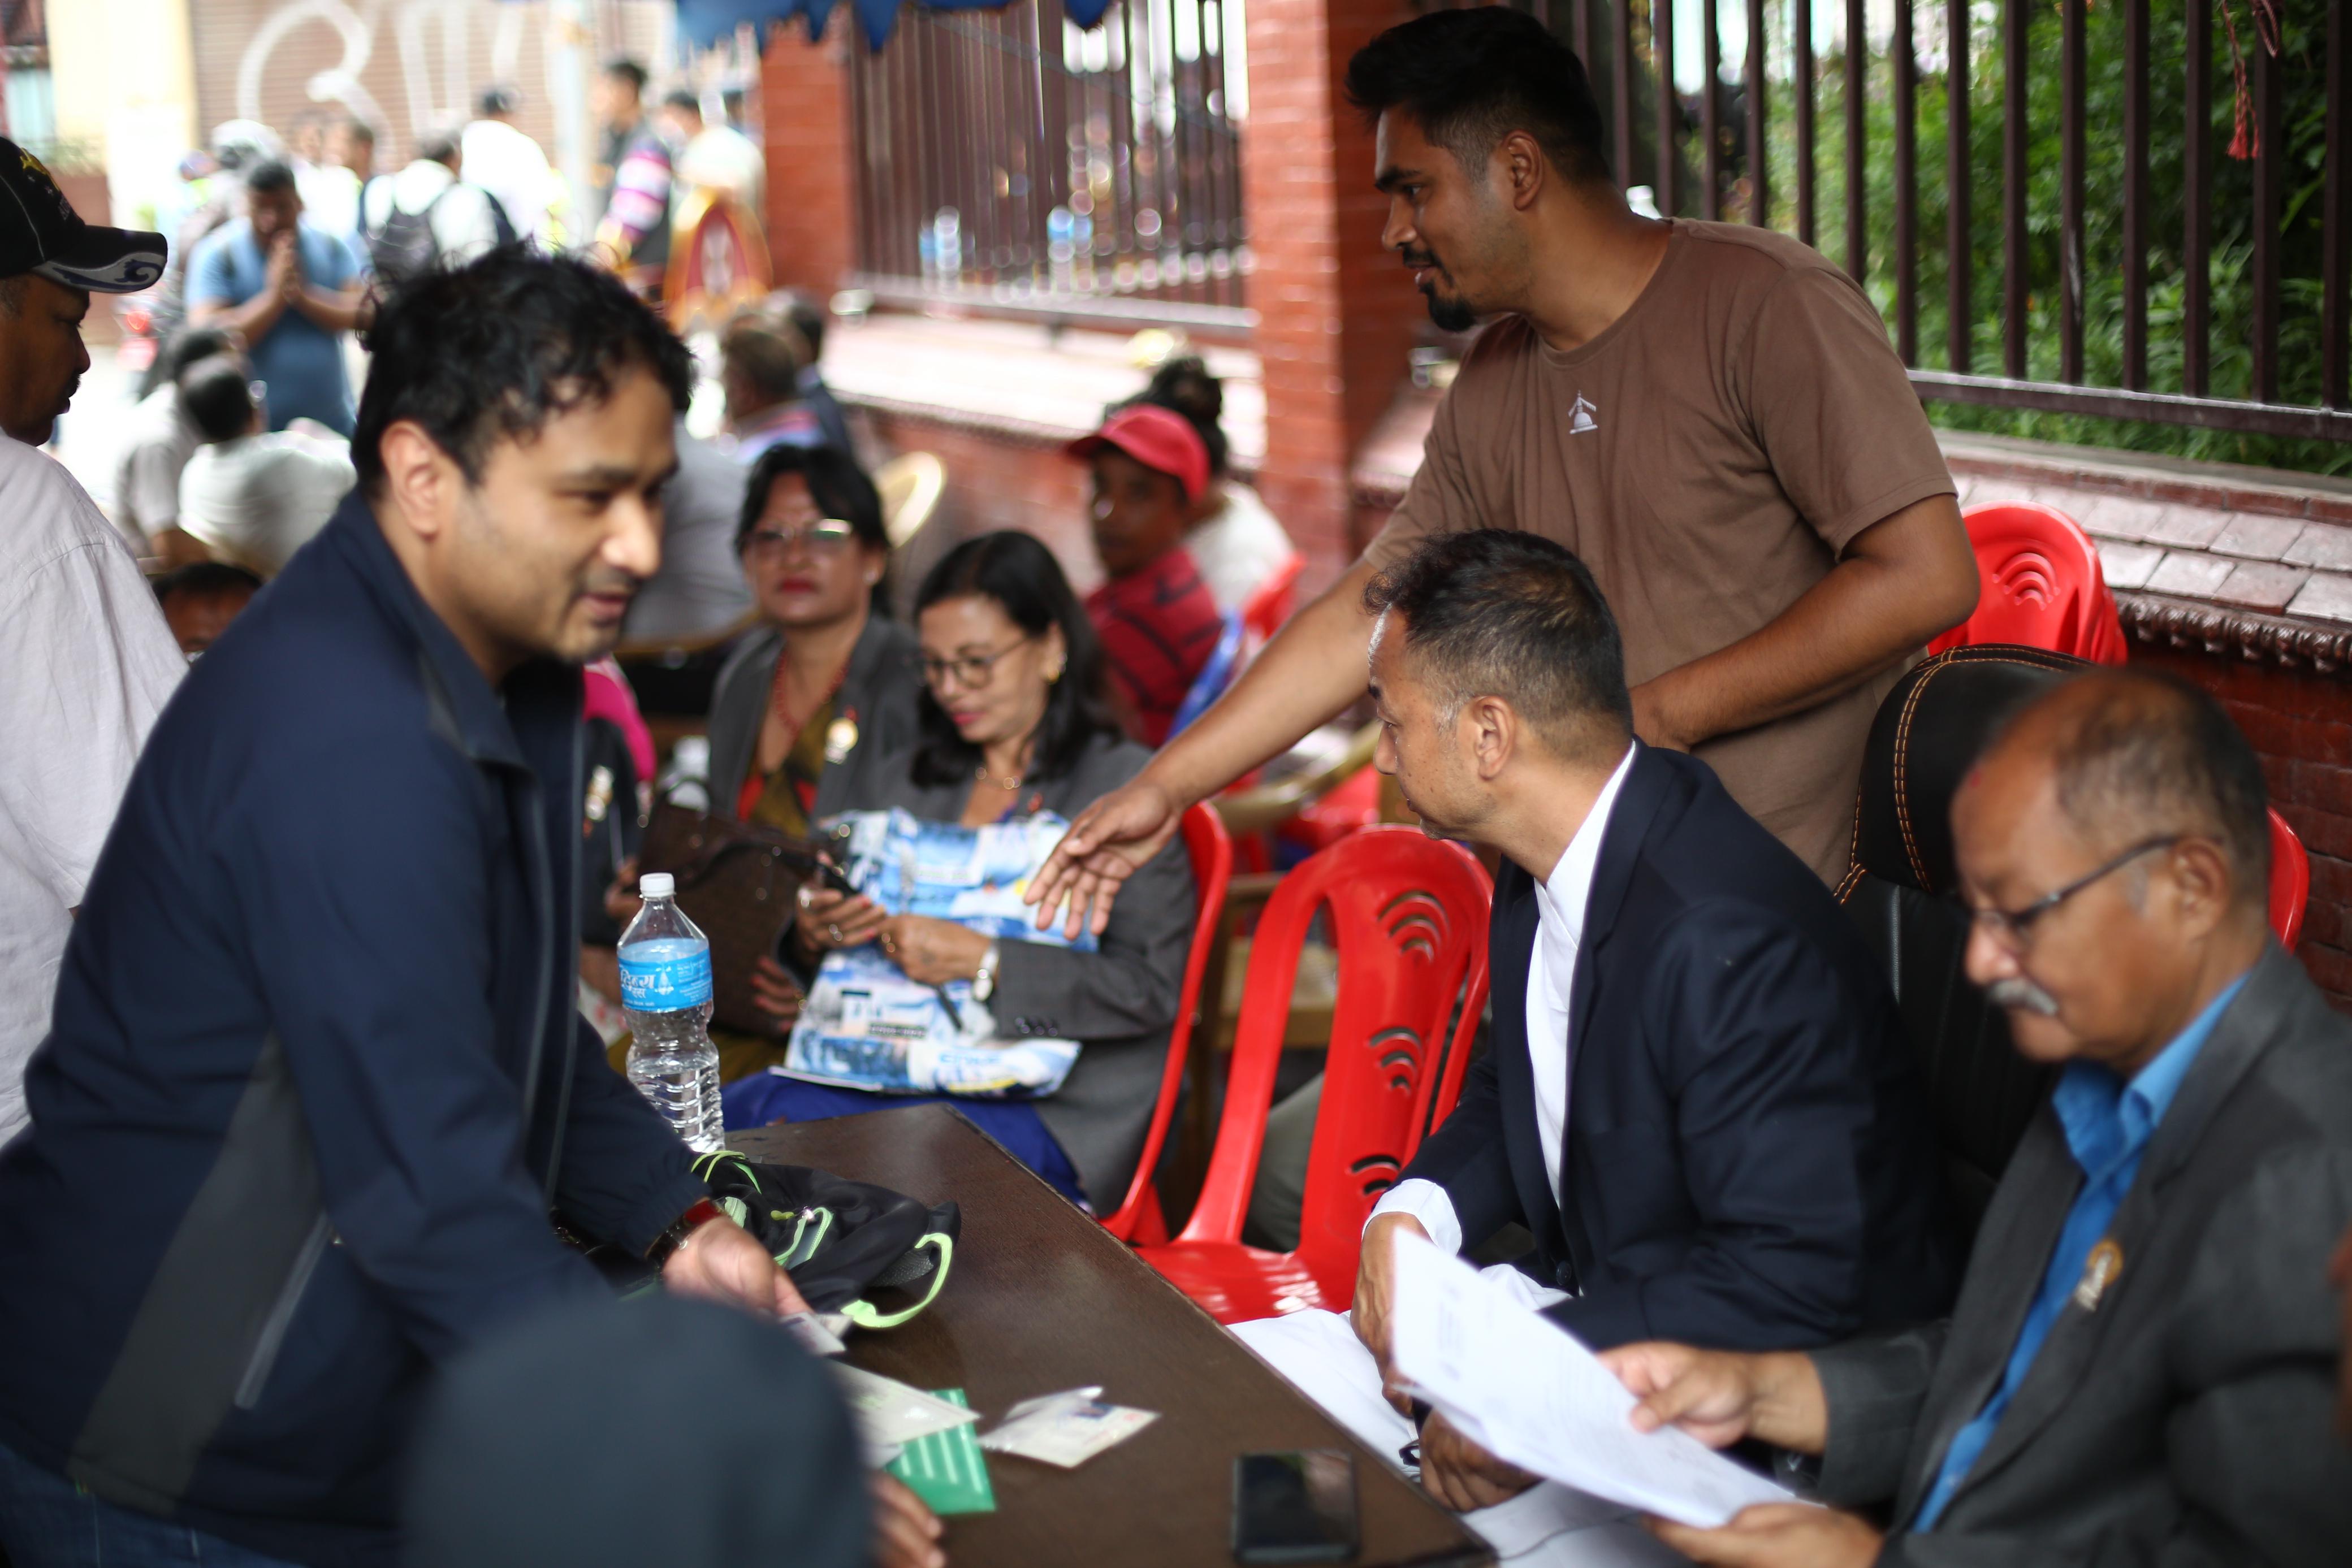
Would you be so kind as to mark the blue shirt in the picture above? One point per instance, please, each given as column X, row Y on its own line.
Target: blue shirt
column 301, row 360
column 2107, row 1123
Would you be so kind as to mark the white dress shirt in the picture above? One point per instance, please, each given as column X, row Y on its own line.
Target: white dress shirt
column 259, row 498
column 1561, row 900
column 86, row 663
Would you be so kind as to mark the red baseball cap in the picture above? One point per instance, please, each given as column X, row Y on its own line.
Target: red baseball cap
column 1157, row 438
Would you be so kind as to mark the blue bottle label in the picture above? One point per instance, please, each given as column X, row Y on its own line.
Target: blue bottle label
column 664, row 975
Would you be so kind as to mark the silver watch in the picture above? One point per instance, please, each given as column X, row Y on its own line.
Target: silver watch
column 984, row 979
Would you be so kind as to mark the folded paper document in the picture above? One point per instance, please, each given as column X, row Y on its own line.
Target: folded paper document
column 1526, row 1391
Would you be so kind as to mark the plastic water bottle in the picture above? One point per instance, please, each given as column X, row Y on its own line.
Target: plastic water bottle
column 666, row 990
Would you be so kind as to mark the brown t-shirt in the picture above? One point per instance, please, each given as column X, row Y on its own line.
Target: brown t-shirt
column 1707, row 456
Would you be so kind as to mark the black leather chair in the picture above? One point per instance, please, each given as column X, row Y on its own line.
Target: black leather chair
column 1901, row 892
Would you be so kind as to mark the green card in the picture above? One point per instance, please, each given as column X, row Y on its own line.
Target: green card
column 946, row 1469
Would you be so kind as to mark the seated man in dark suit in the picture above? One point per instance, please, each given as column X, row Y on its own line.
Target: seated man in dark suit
column 2141, row 1365
column 1698, row 1098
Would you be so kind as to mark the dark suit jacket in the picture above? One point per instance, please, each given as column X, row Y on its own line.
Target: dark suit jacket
column 2187, row 1419
column 1747, row 1162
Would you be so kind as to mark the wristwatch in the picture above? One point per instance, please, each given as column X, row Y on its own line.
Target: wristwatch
column 667, row 1244
column 984, row 979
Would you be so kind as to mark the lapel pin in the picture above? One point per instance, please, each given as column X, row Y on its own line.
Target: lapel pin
column 840, row 738
column 2100, row 1270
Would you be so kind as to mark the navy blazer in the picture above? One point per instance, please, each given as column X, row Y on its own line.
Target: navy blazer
column 1748, row 1162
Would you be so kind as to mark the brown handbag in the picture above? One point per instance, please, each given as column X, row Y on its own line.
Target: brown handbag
column 738, row 882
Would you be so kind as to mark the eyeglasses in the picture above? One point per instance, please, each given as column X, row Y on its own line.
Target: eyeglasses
column 828, row 536
column 2014, row 928
column 971, row 670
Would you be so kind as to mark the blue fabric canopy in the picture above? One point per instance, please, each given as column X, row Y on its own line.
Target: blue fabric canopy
column 705, row 21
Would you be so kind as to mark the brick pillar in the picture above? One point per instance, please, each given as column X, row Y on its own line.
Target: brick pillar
column 804, row 111
column 1336, row 312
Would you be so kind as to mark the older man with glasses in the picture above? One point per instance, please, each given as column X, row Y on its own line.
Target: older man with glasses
column 2141, row 1366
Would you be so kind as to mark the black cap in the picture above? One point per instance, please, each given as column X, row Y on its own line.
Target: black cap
column 41, row 232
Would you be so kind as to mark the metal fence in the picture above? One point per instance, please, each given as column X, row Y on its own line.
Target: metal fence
column 1013, row 159
column 2214, row 289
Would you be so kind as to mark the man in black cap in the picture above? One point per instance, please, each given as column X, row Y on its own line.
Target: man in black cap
column 86, row 660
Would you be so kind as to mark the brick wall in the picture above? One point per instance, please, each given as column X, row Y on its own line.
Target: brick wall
column 259, row 60
column 804, row 109
column 995, row 482
column 2301, row 723
column 1336, row 313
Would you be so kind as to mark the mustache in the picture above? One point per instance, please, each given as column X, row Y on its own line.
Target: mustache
column 1420, row 258
column 627, row 582
column 2018, row 993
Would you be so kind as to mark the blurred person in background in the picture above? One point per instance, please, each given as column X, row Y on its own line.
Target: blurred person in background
column 1235, row 542
column 810, row 317
column 1157, row 620
column 510, row 167
column 201, row 599
column 351, row 144
column 86, row 660
column 253, row 495
column 714, row 157
column 762, row 355
column 330, row 187
column 1012, row 723
column 634, row 179
column 291, row 291
column 237, row 146
column 699, row 590
column 162, row 440
column 430, row 214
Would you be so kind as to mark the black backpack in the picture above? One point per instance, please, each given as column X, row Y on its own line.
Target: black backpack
column 842, row 1241
column 404, row 246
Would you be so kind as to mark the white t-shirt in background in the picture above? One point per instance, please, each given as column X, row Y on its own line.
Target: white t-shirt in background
column 1238, row 548
column 257, row 499
column 147, row 478
column 86, row 663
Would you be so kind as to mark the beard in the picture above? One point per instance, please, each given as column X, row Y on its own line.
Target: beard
column 1451, row 312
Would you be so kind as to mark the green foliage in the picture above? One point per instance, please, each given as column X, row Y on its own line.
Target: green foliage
column 2229, row 239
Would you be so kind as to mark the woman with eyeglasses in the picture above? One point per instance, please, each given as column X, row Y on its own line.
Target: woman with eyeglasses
column 805, row 710
column 1013, row 721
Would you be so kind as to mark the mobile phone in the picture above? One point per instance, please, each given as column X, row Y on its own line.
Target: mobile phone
column 1295, row 1506
column 834, row 877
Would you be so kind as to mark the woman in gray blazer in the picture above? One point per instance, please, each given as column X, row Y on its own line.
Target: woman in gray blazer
column 809, row 705
column 1014, row 722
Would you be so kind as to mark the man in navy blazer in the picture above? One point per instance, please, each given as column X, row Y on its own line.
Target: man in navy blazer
column 1697, row 1096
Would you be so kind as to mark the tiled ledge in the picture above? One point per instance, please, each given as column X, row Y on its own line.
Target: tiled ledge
column 1017, row 381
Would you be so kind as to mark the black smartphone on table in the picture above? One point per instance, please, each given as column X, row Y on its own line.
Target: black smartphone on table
column 1298, row 1506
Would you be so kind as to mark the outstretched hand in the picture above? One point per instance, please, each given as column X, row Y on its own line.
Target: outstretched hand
column 1109, row 843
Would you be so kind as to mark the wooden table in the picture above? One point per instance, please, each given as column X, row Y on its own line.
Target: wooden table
column 1040, row 1300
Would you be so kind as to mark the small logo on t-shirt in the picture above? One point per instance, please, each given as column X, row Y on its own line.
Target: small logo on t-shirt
column 1579, row 416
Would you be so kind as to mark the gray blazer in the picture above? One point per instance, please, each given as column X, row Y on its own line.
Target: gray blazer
column 1118, row 1002
column 2188, row 1417
column 878, row 691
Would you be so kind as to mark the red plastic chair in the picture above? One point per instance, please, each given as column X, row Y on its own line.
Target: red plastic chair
column 2042, row 586
column 2290, row 882
column 1271, row 603
column 1138, row 1217
column 1409, row 916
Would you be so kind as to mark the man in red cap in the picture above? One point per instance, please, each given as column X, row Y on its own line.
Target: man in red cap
column 1158, row 621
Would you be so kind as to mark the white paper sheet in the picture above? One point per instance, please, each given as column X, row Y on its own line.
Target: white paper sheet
column 1524, row 1389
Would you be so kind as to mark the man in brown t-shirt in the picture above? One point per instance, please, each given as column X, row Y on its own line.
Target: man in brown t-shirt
column 1709, row 415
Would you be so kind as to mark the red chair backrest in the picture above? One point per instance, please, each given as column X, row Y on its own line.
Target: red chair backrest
column 1408, row 914
column 2041, row 585
column 1271, row 602
column 1211, row 850
column 2290, row 882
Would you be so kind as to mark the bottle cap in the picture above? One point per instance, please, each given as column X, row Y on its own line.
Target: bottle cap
column 657, row 884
